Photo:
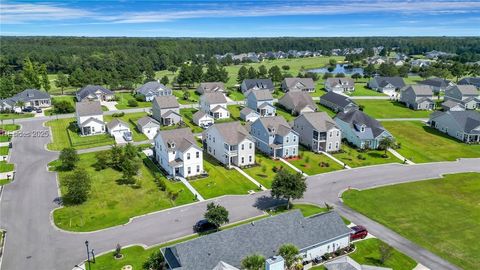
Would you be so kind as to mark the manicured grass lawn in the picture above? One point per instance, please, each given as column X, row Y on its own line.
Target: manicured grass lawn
column 5, row 138
column 194, row 96
column 351, row 157
column 6, row 167
column 4, row 116
column 9, row 127
column 221, row 181
column 322, row 108
column 367, row 252
column 306, row 209
column 187, row 117
column 362, row 90
column 111, row 203
column 441, row 215
column 235, row 94
column 123, row 99
column 64, row 134
column 312, row 163
column 235, row 112
column 390, row 109
column 285, row 114
column 4, row 150
column 4, row 182
column 69, row 99
column 131, row 120
column 263, row 172
column 421, row 143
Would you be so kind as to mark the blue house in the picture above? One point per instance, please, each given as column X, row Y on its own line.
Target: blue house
column 275, row 137
column 261, row 101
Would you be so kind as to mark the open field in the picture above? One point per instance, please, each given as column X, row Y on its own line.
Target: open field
column 390, row 109
column 441, row 215
column 131, row 120
column 263, row 172
column 421, row 143
column 362, row 90
column 111, row 203
column 353, row 158
column 312, row 163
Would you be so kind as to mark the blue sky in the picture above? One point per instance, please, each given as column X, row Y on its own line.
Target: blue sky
column 225, row 18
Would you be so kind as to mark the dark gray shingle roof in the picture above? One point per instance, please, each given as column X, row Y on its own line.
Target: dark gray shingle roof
column 30, row 94
column 182, row 138
column 87, row 108
column 395, row 81
column 337, row 99
column 435, row 82
column 152, row 88
column 467, row 120
column 259, row 83
column 232, row 132
column 90, row 89
column 357, row 117
column 145, row 120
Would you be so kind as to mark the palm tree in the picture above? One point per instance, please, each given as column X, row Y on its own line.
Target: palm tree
column 253, row 262
column 385, row 143
column 289, row 253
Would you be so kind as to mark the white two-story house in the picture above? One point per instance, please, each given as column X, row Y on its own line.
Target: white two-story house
column 261, row 101
column 215, row 105
column 89, row 116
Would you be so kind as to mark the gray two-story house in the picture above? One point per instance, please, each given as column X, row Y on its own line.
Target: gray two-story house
column 257, row 84
column 153, row 89
column 318, row 132
column 274, row 137
column 466, row 95
column 417, row 97
column 261, row 101
column 462, row 125
column 166, row 110
column 386, row 85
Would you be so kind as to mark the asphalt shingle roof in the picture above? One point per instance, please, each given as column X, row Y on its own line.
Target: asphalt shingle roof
column 91, row 89
column 215, row 98
column 165, row 102
column 357, row 117
column 30, row 94
column 151, row 88
column 211, row 87
column 435, row 82
column 276, row 125
column 467, row 90
column 296, row 101
column 320, row 121
column 232, row 132
column 182, row 138
column 298, row 84
column 115, row 122
column 260, row 94
column 88, row 108
column 337, row 99
column 259, row 83
column 420, row 90
column 395, row 81
column 467, row 120
column 146, row 120
column 470, row 80
column 341, row 81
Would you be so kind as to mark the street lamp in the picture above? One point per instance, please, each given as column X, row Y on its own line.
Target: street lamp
column 88, row 255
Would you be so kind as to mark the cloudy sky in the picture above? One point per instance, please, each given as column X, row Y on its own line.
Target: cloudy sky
column 224, row 18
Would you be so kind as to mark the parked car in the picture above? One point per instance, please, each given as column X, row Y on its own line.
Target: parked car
column 38, row 110
column 127, row 136
column 204, row 226
column 27, row 109
column 359, row 232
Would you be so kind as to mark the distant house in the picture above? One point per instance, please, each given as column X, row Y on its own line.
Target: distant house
column 386, row 85
column 94, row 93
column 361, row 130
column 261, row 101
column 29, row 97
column 420, row 63
column 275, row 137
column 257, row 84
column 298, row 84
column 451, row 105
column 298, row 102
column 467, row 95
column 337, row 102
column 376, row 60
column 417, row 97
column 470, row 81
column 153, row 89
column 148, row 126
column 314, row 236
column 117, row 127
column 215, row 104
column 462, row 125
column 347, row 263
column 166, row 110
column 437, row 84
column 248, row 115
column 340, row 85
column 202, row 119
column 318, row 132
column 89, row 116
column 230, row 144
column 177, row 152
column 208, row 87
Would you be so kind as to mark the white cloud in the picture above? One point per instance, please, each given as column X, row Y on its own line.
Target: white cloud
column 23, row 12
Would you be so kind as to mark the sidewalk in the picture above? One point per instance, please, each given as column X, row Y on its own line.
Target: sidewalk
column 402, row 158
column 249, row 177
column 344, row 165
column 293, row 167
column 192, row 189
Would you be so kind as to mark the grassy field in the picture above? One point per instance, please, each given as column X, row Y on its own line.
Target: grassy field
column 390, row 109
column 367, row 252
column 353, row 158
column 64, row 134
column 441, row 215
column 362, row 90
column 123, row 99
column 194, row 96
column 5, row 116
column 312, row 163
column 131, row 120
column 111, row 203
column 421, row 143
column 6, row 167
column 221, row 181
column 263, row 172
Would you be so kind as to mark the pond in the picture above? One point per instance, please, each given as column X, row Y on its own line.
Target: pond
column 339, row 68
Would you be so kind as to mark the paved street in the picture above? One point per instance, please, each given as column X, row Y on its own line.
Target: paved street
column 32, row 241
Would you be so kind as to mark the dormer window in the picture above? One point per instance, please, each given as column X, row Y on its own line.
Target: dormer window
column 362, row 128
column 171, row 145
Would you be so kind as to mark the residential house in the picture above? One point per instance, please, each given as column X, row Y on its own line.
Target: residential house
column 166, row 110
column 340, row 85
column 376, row 60
column 470, row 81
column 361, row 130
column 215, row 104
column 275, row 137
column 421, row 63
column 298, row 102
column 29, row 98
column 94, row 93
column 230, row 143
column 148, row 126
column 153, row 89
column 298, row 84
column 318, row 132
column 203, row 119
column 437, row 84
column 462, row 125
column 314, row 236
column 89, row 116
column 117, row 127
column 337, row 102
column 417, row 97
column 386, row 85
column 248, row 115
column 177, row 152
column 467, row 95
column 261, row 101
column 208, row 87
column 257, row 84
column 451, row 105
column 347, row 263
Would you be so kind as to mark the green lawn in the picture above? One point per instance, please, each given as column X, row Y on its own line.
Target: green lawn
column 194, row 96
column 312, row 163
column 4, row 150
column 131, row 120
column 285, row 114
column 187, row 117
column 367, row 252
column 64, row 134
column 221, row 181
column 6, row 167
column 441, row 215
column 235, row 112
column 421, row 143
column 362, row 90
column 5, row 116
column 111, row 203
column 390, row 109
column 9, row 127
column 352, row 157
column 306, row 209
column 330, row 113
column 123, row 99
column 263, row 171
column 4, row 181
column 57, row 91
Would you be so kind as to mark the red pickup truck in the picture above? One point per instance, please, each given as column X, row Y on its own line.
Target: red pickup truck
column 359, row 232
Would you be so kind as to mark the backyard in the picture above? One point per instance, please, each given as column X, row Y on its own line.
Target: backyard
column 354, row 158
column 312, row 163
column 187, row 117
column 441, row 215
column 421, row 143
column 193, row 98
column 111, row 203
column 124, row 97
column 389, row 109
column 362, row 90
column 264, row 172
column 131, row 120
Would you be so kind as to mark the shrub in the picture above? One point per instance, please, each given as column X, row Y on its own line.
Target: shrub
column 132, row 103
column 63, row 106
column 140, row 97
column 361, row 157
column 119, row 114
column 160, row 183
column 78, row 186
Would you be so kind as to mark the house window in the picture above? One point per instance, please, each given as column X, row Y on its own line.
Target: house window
column 250, row 158
column 293, row 151
column 198, row 154
column 288, row 139
column 189, row 170
column 243, row 160
column 198, row 168
column 188, row 156
column 174, row 152
column 336, row 145
column 294, row 138
column 286, row 152
column 329, row 145
column 338, row 133
column 213, row 139
column 243, row 146
column 330, row 134
column 209, row 149
column 250, row 145
column 214, row 151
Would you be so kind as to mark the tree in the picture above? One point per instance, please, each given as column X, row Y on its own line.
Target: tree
column 130, row 167
column 288, row 186
column 69, row 158
column 262, row 72
column 369, row 71
column 103, row 160
column 149, row 73
column 356, row 76
column 327, row 75
column 458, row 70
column 385, row 143
column 172, row 69
column 30, row 73
column 253, row 262
column 156, row 261
column 242, row 74
column 61, row 81
column 164, row 80
column 44, row 75
column 78, row 186
column 116, row 157
column 285, row 67
column 340, row 75
column 332, row 62
column 385, row 251
column 132, row 103
column 252, row 73
column 186, row 94
column 289, row 253
column 118, row 251
column 216, row 214
column 275, row 74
